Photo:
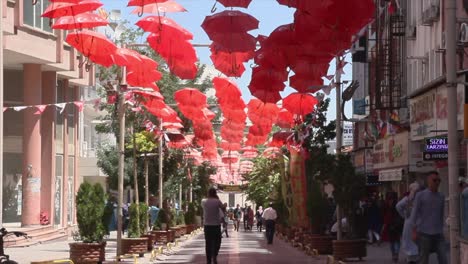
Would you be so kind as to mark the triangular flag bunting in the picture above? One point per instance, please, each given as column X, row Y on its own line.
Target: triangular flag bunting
column 19, row 108
column 40, row 109
column 79, row 105
column 61, row 106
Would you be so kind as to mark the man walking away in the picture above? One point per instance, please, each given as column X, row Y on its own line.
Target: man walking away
column 269, row 215
column 212, row 225
column 237, row 217
column 427, row 218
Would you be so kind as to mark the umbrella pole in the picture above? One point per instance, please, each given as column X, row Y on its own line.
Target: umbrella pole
column 160, row 166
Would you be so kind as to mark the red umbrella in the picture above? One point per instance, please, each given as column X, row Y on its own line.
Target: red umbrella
column 235, row 3
column 164, row 26
column 156, row 8
column 267, row 96
column 149, row 95
column 65, row 1
column 171, row 125
column 56, row 10
column 190, row 97
column 300, row 103
column 230, row 156
column 93, row 45
column 230, row 146
column 229, row 21
column 280, row 139
column 80, row 21
column 144, row 2
column 285, row 119
column 233, row 42
column 226, row 88
column 271, row 152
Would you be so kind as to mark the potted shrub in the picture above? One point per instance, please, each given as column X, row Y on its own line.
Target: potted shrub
column 90, row 204
column 160, row 228
column 181, row 222
column 135, row 244
column 190, row 218
column 348, row 190
column 144, row 211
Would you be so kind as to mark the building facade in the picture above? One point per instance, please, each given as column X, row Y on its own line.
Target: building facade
column 41, row 144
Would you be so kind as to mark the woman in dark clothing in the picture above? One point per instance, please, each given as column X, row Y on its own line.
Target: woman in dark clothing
column 374, row 215
column 393, row 225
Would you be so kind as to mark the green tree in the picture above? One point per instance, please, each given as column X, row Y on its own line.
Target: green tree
column 263, row 180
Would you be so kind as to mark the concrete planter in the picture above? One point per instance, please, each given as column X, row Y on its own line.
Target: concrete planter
column 87, row 252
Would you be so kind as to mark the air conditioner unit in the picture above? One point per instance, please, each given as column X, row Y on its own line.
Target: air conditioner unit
column 463, row 35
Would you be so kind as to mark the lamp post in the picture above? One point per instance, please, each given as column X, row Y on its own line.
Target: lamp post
column 339, row 137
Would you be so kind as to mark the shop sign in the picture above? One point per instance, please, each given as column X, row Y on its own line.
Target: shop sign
column 437, row 144
column 428, row 112
column 391, row 175
column 391, row 152
column 427, row 156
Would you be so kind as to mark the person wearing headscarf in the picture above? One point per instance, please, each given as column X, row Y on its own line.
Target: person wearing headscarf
column 258, row 215
column 404, row 207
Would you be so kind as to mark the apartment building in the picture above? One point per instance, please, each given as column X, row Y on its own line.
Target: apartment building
column 41, row 146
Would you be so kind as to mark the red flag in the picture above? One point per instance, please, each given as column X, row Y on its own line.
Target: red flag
column 40, row 109
column 79, row 105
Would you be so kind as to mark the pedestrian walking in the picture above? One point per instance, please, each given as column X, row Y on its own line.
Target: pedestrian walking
column 269, row 215
column 237, row 217
column 245, row 216
column 250, row 219
column 258, row 216
column 224, row 220
column 393, row 225
column 212, row 225
column 374, row 215
column 427, row 218
column 404, row 207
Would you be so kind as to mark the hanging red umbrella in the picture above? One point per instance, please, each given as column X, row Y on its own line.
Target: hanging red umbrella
column 226, row 88
column 80, row 21
column 190, row 96
column 65, row 1
column 56, row 10
column 230, row 156
column 156, row 8
column 234, row 42
column 280, row 139
column 164, row 26
column 267, row 96
column 271, row 152
column 285, row 119
column 149, row 95
column 229, row 21
column 300, row 103
column 171, row 125
column 235, row 3
column 228, row 63
column 230, row 146
column 144, row 2
column 93, row 45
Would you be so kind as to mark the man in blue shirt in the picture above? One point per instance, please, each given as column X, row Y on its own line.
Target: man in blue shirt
column 427, row 218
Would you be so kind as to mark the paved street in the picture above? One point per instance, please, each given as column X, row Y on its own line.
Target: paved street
column 240, row 247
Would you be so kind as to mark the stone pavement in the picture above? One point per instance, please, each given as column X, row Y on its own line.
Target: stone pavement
column 240, row 248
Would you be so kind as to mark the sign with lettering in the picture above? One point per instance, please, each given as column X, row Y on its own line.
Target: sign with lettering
column 435, row 156
column 437, row 144
column 428, row 112
column 391, row 152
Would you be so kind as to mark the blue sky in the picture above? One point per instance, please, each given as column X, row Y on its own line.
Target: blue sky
column 268, row 12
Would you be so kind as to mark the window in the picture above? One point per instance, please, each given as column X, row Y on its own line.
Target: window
column 32, row 15
column 59, row 129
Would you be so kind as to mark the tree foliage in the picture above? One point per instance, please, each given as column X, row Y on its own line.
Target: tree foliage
column 263, row 180
column 90, row 204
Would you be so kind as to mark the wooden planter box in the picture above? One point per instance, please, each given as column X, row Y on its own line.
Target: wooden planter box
column 151, row 240
column 345, row 249
column 135, row 246
column 87, row 252
column 323, row 244
column 177, row 231
column 183, row 230
column 172, row 235
column 189, row 229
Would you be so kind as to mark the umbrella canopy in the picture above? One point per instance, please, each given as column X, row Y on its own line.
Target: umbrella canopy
column 190, row 96
column 285, row 119
column 281, row 138
column 230, row 146
column 93, row 45
column 156, row 8
column 300, row 103
column 166, row 27
column 229, row 21
column 80, row 21
column 56, row 10
column 144, row 2
column 226, row 88
column 235, row 3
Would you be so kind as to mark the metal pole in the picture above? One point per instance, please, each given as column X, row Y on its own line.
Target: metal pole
column 161, row 167
column 191, row 193
column 1, row 112
column 180, row 196
column 339, row 137
column 451, row 66
column 121, row 163
column 146, row 188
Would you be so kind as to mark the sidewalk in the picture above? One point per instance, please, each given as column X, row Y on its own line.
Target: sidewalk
column 240, row 248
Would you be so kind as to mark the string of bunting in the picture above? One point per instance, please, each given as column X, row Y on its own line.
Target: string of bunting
column 41, row 108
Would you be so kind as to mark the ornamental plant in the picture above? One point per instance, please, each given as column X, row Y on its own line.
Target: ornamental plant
column 90, row 204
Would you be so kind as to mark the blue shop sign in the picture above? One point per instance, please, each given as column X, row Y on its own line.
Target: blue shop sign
column 437, row 144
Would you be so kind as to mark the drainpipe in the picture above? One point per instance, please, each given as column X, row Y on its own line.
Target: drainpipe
column 453, row 145
column 1, row 113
